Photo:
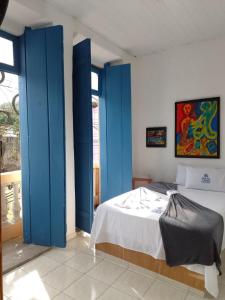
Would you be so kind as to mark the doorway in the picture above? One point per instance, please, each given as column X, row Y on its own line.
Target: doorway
column 11, row 199
column 15, row 252
column 95, row 83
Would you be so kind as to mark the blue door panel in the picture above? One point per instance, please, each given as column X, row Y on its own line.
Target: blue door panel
column 83, row 144
column 38, row 136
column 114, row 133
column 115, row 143
column 43, row 137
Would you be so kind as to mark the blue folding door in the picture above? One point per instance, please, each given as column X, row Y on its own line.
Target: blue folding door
column 115, row 131
column 42, row 136
column 83, row 140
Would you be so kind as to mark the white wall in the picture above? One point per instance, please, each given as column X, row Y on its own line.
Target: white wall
column 188, row 72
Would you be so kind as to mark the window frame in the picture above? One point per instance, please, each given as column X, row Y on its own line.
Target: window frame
column 15, row 69
column 98, row 71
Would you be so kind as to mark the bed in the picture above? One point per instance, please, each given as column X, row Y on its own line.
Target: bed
column 127, row 226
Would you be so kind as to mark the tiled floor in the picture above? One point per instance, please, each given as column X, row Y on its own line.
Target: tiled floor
column 80, row 273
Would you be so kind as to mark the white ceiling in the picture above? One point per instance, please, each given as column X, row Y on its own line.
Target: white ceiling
column 145, row 26
column 22, row 15
column 137, row 26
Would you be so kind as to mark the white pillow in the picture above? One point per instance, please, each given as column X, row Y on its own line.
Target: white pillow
column 205, row 179
column 181, row 174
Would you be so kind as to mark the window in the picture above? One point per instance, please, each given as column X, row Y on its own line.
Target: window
column 9, row 52
column 95, row 81
column 95, row 125
column 6, row 53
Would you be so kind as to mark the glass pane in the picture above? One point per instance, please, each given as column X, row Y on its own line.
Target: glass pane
column 6, row 52
column 9, row 122
column 10, row 160
column 94, row 81
column 95, row 120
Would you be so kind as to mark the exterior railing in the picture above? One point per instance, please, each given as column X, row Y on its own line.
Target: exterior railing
column 96, row 185
column 11, row 203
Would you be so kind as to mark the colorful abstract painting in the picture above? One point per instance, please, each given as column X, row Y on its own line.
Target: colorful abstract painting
column 156, row 137
column 197, row 132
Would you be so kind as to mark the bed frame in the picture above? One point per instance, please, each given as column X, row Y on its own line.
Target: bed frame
column 180, row 274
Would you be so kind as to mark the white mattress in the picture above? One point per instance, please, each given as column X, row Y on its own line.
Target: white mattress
column 131, row 220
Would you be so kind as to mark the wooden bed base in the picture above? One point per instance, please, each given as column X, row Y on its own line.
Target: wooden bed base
column 180, row 274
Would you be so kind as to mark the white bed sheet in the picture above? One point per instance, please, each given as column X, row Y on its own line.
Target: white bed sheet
column 131, row 220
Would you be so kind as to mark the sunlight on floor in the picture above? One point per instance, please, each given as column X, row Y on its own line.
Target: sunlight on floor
column 30, row 286
column 80, row 273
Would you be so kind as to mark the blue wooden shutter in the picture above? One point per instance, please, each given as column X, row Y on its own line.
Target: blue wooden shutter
column 115, row 125
column 83, row 139
column 43, row 138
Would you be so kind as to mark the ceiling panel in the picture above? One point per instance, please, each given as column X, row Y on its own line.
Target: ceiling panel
column 145, row 26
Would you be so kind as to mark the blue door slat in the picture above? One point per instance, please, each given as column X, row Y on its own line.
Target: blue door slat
column 83, row 144
column 56, row 112
column 126, row 128
column 24, row 134
column 103, row 138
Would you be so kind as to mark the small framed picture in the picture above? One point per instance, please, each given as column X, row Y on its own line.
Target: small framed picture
column 156, row 137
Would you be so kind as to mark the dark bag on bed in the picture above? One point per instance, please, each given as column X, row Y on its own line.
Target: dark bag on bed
column 191, row 233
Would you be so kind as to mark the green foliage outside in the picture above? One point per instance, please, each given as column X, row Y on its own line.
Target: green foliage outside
column 9, row 119
column 9, row 123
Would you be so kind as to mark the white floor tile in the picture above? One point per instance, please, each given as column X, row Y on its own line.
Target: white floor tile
column 60, row 255
column 197, row 292
column 106, row 272
column 222, row 292
column 78, row 243
column 28, row 286
column 86, row 288
column 133, row 283
column 62, row 277
column 116, row 260
column 83, row 262
column 142, row 271
column 42, row 265
column 83, row 245
column 113, row 294
column 174, row 283
column 93, row 251
column 161, row 290
column 62, row 296
column 191, row 296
